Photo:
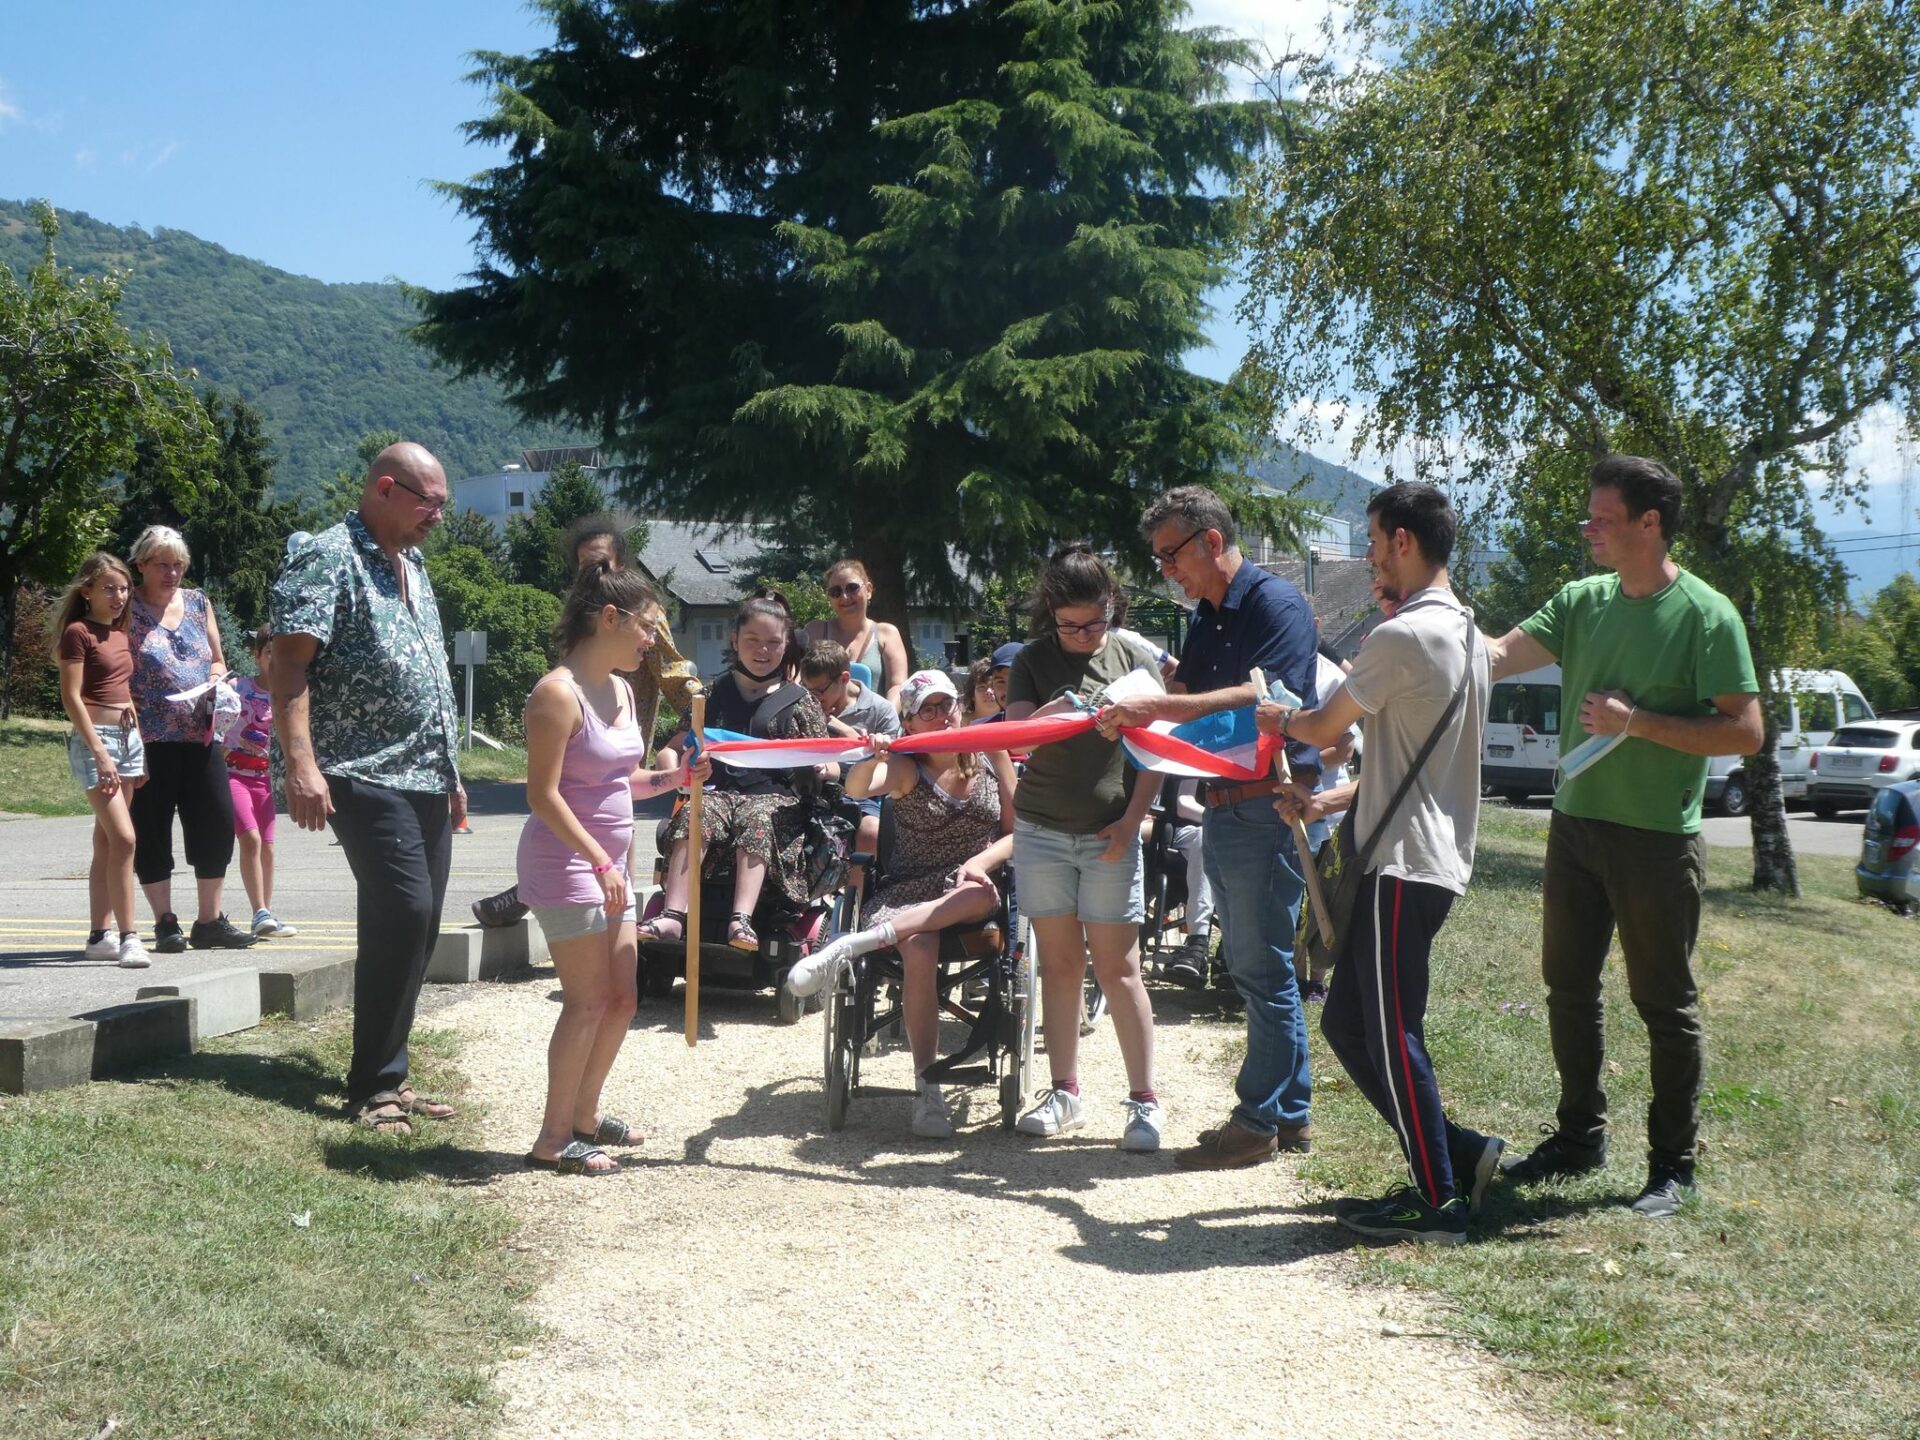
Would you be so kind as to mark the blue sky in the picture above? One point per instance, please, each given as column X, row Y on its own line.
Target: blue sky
column 309, row 136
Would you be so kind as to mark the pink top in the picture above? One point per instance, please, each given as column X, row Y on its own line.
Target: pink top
column 594, row 770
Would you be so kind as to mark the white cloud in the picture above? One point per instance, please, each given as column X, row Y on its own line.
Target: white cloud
column 161, row 155
column 83, row 158
column 10, row 112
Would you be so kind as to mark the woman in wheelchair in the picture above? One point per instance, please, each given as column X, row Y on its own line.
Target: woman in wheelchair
column 952, row 828
column 753, row 820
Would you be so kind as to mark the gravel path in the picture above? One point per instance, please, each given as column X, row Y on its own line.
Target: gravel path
column 752, row 1276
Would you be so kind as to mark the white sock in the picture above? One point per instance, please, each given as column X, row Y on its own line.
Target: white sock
column 861, row 942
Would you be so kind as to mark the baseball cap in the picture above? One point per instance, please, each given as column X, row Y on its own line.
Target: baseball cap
column 1003, row 657
column 922, row 684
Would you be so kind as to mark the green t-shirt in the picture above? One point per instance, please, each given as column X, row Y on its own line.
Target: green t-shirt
column 1672, row 651
column 1077, row 786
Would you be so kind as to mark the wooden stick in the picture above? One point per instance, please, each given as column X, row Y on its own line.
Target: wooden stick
column 1283, row 772
column 694, row 866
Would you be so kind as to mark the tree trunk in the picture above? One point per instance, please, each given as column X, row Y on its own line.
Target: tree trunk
column 1773, row 863
column 9, row 610
column 886, row 567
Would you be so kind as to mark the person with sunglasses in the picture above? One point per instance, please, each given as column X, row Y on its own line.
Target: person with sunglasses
column 1076, row 841
column 363, row 706
column 1246, row 618
column 873, row 643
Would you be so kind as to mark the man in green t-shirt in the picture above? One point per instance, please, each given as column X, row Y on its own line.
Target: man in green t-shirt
column 1660, row 660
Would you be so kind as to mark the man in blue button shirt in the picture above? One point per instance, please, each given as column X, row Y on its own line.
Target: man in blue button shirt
column 1246, row 618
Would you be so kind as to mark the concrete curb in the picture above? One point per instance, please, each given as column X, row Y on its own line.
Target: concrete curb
column 225, row 1001
column 141, row 1032
column 306, row 989
column 38, row 1055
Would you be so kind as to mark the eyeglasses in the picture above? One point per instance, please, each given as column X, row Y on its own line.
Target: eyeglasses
column 1171, row 555
column 818, row 690
column 646, row 622
column 431, row 506
column 1092, row 627
column 836, row 592
column 936, row 705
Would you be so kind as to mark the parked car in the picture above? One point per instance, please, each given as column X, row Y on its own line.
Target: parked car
column 1808, row 705
column 1860, row 761
column 1887, row 846
column 1520, row 747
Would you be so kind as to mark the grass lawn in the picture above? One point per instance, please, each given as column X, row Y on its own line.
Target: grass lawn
column 34, row 779
column 484, row 763
column 1786, row 1302
column 209, row 1253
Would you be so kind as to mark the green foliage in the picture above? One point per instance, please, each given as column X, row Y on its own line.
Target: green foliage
column 806, row 596
column 234, row 529
column 536, row 541
column 473, row 530
column 519, row 621
column 323, row 363
column 77, row 393
column 1881, row 650
column 341, row 493
column 1687, row 230
column 920, row 275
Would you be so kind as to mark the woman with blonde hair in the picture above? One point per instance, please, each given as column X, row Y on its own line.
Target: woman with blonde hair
column 873, row 643
column 175, row 639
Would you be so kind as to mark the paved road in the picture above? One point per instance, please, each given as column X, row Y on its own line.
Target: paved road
column 43, row 919
column 1810, row 835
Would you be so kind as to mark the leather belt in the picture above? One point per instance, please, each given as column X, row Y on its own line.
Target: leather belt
column 1216, row 795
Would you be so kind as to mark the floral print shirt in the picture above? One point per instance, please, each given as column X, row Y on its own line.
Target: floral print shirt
column 165, row 662
column 380, row 700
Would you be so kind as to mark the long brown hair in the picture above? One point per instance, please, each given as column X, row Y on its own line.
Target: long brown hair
column 73, row 603
column 1076, row 576
column 594, row 588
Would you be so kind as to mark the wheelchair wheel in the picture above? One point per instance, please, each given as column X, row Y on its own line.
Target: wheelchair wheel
column 840, row 1030
column 1093, row 1003
column 792, row 1009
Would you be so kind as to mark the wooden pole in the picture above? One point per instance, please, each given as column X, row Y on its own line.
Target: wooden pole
column 1283, row 772
column 694, row 866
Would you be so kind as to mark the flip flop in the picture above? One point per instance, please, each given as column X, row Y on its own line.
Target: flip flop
column 611, row 1131
column 573, row 1160
column 740, row 932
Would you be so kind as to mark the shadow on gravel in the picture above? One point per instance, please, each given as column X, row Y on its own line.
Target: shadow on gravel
column 986, row 1163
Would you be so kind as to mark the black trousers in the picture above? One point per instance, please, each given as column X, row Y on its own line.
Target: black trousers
column 1375, row 1021
column 191, row 778
column 1646, row 884
column 399, row 845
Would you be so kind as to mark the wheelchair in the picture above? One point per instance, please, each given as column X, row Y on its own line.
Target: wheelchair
column 1164, row 880
column 984, row 979
column 787, row 932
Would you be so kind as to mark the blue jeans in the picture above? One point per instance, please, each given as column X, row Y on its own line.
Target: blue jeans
column 1255, row 874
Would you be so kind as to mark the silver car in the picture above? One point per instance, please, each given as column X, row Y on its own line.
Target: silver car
column 1860, row 761
column 1888, row 846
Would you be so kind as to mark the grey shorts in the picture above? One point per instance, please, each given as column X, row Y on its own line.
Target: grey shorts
column 123, row 745
column 1062, row 874
column 571, row 922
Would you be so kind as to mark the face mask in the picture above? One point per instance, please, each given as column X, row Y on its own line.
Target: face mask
column 741, row 666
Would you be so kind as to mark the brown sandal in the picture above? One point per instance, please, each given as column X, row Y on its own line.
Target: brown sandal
column 384, row 1114
column 417, row 1104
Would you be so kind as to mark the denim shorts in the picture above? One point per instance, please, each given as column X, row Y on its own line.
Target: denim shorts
column 1062, row 874
column 123, row 746
column 572, row 922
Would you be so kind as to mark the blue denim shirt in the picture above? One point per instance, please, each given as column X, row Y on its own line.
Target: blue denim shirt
column 1261, row 621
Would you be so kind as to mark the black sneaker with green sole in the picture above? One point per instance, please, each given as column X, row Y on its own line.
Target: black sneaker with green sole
column 1404, row 1214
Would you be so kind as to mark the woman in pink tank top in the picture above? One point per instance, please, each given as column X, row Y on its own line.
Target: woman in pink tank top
column 585, row 749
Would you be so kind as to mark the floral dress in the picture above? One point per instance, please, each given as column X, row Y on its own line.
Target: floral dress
column 933, row 835
column 762, row 812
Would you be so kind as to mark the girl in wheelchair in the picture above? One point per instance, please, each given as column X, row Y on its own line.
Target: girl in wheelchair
column 952, row 828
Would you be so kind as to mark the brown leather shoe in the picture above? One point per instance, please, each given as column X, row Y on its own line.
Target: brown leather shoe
column 1231, row 1147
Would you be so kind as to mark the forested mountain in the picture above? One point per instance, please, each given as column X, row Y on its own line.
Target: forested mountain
column 1322, row 484
column 324, row 363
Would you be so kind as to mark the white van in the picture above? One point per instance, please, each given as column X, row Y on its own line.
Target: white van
column 1521, row 747
column 1522, row 744
column 1809, row 706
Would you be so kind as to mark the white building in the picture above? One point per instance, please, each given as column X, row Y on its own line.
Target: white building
column 512, row 489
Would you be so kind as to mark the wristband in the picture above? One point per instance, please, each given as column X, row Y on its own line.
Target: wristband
column 1632, row 710
column 603, row 869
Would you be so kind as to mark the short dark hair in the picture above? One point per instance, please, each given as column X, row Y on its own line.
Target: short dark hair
column 592, row 527
column 1192, row 507
column 1643, row 485
column 599, row 585
column 1423, row 512
column 827, row 660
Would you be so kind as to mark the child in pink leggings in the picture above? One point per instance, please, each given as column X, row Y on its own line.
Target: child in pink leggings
column 250, row 778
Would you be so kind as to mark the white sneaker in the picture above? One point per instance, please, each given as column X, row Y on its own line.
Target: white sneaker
column 267, row 925
column 1058, row 1112
column 107, row 947
column 1143, row 1125
column 132, row 954
column 930, row 1118
column 810, row 973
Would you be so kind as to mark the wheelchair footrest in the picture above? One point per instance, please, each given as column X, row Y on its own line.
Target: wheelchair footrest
column 961, row 1075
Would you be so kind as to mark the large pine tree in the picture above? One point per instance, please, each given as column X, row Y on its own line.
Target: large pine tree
column 918, row 272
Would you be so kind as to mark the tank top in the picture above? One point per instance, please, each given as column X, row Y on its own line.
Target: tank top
column 165, row 662
column 594, row 771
